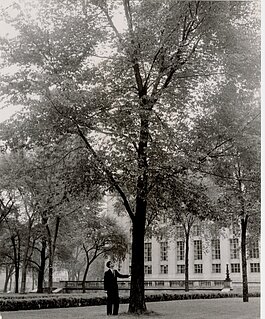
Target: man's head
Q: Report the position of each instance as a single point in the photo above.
(110, 264)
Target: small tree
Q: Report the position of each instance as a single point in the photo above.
(234, 162)
(6, 257)
(186, 201)
(99, 235)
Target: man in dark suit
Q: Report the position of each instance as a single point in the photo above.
(111, 287)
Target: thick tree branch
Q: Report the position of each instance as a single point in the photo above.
(135, 50)
(108, 173)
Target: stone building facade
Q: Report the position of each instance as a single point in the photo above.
(209, 258)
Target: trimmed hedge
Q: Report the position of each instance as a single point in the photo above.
(13, 304)
(49, 302)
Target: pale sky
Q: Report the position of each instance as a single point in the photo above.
(7, 112)
(6, 31)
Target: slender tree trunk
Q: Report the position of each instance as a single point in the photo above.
(52, 247)
(16, 262)
(23, 277)
(6, 280)
(10, 283)
(33, 278)
(9, 271)
(5, 285)
(86, 271)
(50, 265)
(16, 278)
(84, 278)
(25, 264)
(89, 261)
(41, 271)
(187, 236)
(50, 275)
(244, 258)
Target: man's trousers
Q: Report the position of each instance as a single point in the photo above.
(113, 302)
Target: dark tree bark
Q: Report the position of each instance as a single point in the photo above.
(244, 257)
(137, 303)
(26, 256)
(84, 279)
(41, 272)
(244, 224)
(50, 265)
(9, 272)
(42, 266)
(24, 272)
(187, 237)
(51, 250)
(16, 256)
(88, 263)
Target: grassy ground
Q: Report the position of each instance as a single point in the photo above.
(228, 308)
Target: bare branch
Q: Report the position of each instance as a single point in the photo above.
(61, 159)
(228, 177)
(104, 9)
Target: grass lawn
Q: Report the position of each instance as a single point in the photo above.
(227, 308)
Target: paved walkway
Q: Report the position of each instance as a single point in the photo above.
(227, 308)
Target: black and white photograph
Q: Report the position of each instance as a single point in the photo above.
(130, 159)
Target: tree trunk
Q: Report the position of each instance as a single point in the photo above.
(16, 279)
(23, 278)
(41, 272)
(244, 258)
(85, 273)
(16, 251)
(187, 236)
(6, 280)
(52, 247)
(9, 271)
(25, 265)
(33, 279)
(27, 254)
(50, 269)
(10, 283)
(84, 279)
(42, 266)
(137, 302)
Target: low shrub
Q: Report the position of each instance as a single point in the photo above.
(52, 301)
